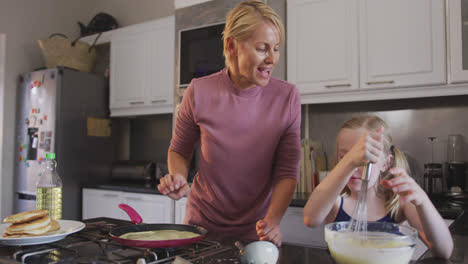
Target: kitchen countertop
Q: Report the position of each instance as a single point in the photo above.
(459, 229)
(298, 199)
(125, 187)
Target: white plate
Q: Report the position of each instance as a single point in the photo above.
(67, 227)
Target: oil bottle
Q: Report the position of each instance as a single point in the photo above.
(49, 188)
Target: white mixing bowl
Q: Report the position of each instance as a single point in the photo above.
(385, 243)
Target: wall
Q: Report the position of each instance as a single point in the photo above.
(24, 22)
(412, 122)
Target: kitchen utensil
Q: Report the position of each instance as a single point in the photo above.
(456, 176)
(258, 252)
(134, 171)
(455, 147)
(358, 221)
(115, 233)
(433, 178)
(386, 243)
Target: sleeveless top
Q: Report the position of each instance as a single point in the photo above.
(343, 216)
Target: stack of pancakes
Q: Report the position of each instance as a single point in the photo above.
(30, 223)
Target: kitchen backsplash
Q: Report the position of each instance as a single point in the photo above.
(150, 137)
(412, 121)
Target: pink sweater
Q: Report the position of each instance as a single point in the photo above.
(248, 139)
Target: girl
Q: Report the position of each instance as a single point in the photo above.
(397, 198)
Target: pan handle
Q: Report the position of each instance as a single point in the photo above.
(134, 216)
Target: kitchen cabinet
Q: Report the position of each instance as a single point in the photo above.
(153, 208)
(100, 203)
(294, 230)
(322, 45)
(142, 68)
(351, 50)
(402, 43)
(457, 35)
(180, 210)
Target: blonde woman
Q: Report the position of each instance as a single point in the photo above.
(366, 139)
(248, 125)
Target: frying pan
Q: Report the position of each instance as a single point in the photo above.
(116, 232)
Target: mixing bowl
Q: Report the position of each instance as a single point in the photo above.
(384, 243)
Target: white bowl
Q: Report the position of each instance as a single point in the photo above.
(384, 243)
(259, 252)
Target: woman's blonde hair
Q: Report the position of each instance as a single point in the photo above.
(372, 123)
(242, 20)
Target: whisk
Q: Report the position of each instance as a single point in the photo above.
(358, 223)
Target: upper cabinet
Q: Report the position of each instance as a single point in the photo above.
(142, 68)
(350, 50)
(402, 43)
(458, 40)
(322, 45)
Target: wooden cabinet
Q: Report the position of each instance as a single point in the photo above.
(402, 43)
(350, 50)
(180, 210)
(153, 208)
(142, 68)
(294, 230)
(322, 45)
(457, 36)
(101, 203)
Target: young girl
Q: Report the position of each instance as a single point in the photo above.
(392, 195)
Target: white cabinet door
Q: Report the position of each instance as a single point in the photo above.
(142, 68)
(127, 77)
(322, 46)
(294, 230)
(458, 40)
(161, 75)
(153, 208)
(402, 43)
(101, 203)
(180, 210)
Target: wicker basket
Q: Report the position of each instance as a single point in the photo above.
(60, 50)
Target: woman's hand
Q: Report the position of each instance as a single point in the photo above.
(267, 230)
(174, 186)
(368, 148)
(406, 187)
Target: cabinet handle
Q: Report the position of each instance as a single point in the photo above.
(134, 198)
(136, 103)
(380, 82)
(338, 85)
(159, 101)
(110, 195)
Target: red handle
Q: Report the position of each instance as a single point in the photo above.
(134, 216)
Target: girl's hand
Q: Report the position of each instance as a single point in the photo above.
(406, 187)
(175, 186)
(368, 148)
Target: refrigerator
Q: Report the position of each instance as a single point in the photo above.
(54, 109)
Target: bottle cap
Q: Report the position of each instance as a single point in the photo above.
(50, 156)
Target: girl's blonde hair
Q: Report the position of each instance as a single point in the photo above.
(242, 20)
(372, 123)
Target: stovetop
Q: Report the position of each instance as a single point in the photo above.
(94, 245)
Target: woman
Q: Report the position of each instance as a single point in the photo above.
(248, 125)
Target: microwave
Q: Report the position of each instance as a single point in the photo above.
(201, 52)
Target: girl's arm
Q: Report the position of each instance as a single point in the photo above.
(421, 213)
(322, 200)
